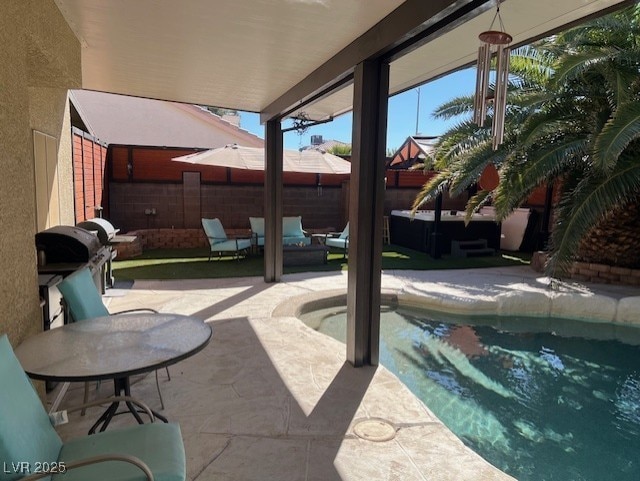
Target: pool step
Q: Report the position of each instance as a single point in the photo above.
(471, 248)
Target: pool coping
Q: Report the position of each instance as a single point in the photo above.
(589, 307)
(566, 305)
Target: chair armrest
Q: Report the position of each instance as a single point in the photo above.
(140, 309)
(94, 460)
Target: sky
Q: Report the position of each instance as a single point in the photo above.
(403, 111)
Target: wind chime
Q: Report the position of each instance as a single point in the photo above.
(492, 41)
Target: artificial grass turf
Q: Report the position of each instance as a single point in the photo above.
(193, 263)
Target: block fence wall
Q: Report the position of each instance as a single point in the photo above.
(147, 190)
(135, 206)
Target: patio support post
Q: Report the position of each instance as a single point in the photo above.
(366, 202)
(273, 202)
(436, 235)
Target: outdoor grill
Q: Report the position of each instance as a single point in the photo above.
(64, 249)
(107, 235)
(102, 227)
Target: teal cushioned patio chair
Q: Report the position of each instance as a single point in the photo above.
(339, 241)
(219, 242)
(292, 232)
(84, 302)
(152, 451)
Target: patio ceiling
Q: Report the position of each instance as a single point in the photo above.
(266, 55)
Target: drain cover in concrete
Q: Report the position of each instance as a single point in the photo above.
(374, 429)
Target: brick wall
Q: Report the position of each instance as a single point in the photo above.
(147, 239)
(589, 272)
(89, 161)
(161, 205)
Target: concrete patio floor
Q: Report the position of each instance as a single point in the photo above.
(270, 399)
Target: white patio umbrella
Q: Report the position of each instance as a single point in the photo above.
(252, 158)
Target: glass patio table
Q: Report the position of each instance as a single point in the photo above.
(113, 347)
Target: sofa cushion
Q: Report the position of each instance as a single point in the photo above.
(214, 230)
(257, 226)
(158, 445)
(292, 227)
(337, 242)
(345, 232)
(231, 245)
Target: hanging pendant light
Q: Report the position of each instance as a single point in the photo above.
(492, 41)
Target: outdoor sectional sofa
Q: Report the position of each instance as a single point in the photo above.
(292, 233)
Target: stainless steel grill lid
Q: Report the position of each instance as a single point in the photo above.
(66, 243)
(103, 227)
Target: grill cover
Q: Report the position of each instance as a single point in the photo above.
(105, 229)
(66, 243)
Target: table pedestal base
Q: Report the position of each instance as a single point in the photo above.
(122, 387)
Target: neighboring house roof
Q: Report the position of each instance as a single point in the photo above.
(414, 150)
(125, 120)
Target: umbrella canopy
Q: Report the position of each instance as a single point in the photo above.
(252, 158)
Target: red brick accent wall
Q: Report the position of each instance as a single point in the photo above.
(89, 163)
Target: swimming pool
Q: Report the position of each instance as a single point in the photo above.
(536, 404)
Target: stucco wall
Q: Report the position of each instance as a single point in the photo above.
(40, 59)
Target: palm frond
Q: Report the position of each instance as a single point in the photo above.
(587, 204)
(458, 142)
(619, 82)
(518, 181)
(453, 108)
(616, 135)
(538, 127)
(533, 65)
(573, 65)
(481, 198)
(431, 189)
(469, 167)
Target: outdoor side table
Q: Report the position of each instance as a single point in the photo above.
(313, 254)
(113, 347)
(318, 239)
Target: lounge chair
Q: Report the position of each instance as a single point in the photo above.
(28, 440)
(219, 241)
(84, 303)
(339, 240)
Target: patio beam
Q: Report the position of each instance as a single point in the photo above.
(412, 24)
(273, 202)
(366, 202)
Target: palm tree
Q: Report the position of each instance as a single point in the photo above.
(574, 119)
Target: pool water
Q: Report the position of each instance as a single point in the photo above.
(537, 405)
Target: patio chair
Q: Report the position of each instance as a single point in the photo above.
(28, 440)
(84, 302)
(219, 242)
(292, 231)
(339, 240)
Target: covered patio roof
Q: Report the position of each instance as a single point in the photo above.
(320, 57)
(269, 55)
